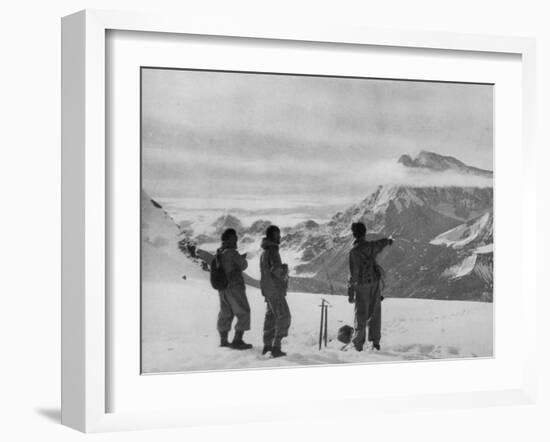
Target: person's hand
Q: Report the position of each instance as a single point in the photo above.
(390, 241)
(351, 295)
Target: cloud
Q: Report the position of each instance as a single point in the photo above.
(394, 173)
(171, 172)
(245, 165)
(210, 134)
(317, 115)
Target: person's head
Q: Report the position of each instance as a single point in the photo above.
(273, 233)
(229, 235)
(359, 230)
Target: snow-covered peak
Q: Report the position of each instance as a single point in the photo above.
(462, 203)
(259, 227)
(227, 221)
(441, 163)
(476, 232)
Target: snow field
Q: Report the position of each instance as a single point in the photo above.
(179, 330)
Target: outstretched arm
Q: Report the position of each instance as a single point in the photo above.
(380, 244)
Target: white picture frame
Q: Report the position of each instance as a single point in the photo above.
(85, 203)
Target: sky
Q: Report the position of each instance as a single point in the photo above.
(219, 134)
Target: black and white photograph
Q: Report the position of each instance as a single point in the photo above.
(237, 221)
(305, 220)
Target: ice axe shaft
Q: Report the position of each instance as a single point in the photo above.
(323, 327)
(326, 324)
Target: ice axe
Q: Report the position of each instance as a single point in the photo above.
(323, 329)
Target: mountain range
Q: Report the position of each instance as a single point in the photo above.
(443, 237)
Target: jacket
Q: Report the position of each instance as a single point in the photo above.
(233, 264)
(274, 274)
(362, 253)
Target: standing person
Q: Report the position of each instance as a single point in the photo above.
(274, 284)
(364, 286)
(233, 301)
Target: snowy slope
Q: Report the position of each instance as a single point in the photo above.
(479, 230)
(463, 268)
(473, 241)
(179, 332)
(160, 257)
(477, 264)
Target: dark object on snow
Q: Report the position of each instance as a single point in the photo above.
(345, 333)
(218, 278)
(157, 205)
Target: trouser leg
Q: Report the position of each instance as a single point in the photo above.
(375, 313)
(282, 323)
(361, 317)
(236, 298)
(225, 315)
(269, 324)
(277, 320)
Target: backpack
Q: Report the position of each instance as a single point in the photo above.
(218, 278)
(345, 334)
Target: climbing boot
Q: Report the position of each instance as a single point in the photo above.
(238, 343)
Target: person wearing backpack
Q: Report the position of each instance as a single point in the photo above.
(365, 286)
(232, 291)
(274, 284)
